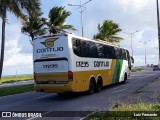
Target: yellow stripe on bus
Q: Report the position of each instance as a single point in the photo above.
(59, 76)
(81, 79)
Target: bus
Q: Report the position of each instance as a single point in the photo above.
(68, 63)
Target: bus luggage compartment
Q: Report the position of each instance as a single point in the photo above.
(51, 71)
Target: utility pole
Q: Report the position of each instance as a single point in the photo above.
(145, 44)
(131, 35)
(157, 53)
(82, 9)
(158, 30)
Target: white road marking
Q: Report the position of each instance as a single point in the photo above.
(119, 90)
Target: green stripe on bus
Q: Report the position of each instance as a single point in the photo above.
(117, 71)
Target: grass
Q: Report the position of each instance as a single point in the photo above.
(127, 112)
(136, 69)
(16, 78)
(137, 107)
(16, 90)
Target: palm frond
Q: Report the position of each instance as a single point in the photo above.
(58, 16)
(108, 31)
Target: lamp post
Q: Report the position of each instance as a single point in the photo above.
(82, 9)
(158, 30)
(145, 43)
(131, 35)
(157, 52)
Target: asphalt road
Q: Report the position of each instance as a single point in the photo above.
(109, 96)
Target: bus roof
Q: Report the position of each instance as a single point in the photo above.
(83, 38)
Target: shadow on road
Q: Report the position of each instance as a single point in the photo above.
(71, 96)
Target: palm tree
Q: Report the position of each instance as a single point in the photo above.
(57, 18)
(16, 7)
(108, 32)
(34, 25)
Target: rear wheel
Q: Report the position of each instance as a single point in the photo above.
(91, 87)
(99, 85)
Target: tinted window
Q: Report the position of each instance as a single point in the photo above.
(93, 50)
(83, 49)
(100, 50)
(107, 51)
(124, 55)
(120, 54)
(113, 52)
(96, 50)
(76, 46)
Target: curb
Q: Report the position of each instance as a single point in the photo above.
(87, 115)
(14, 84)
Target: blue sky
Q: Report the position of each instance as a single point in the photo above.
(131, 15)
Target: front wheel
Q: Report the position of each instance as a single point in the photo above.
(125, 79)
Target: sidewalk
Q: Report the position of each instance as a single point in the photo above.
(19, 83)
(148, 94)
(153, 87)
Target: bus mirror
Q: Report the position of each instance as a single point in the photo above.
(132, 59)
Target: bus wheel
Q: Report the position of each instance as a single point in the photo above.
(125, 79)
(99, 85)
(91, 87)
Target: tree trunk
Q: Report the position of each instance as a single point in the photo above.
(3, 37)
(32, 36)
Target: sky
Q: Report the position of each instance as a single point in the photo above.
(131, 15)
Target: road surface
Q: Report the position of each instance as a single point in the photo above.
(34, 101)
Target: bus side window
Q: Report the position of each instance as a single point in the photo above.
(83, 49)
(117, 53)
(100, 50)
(93, 50)
(124, 56)
(88, 49)
(113, 53)
(76, 44)
(120, 54)
(109, 52)
(106, 52)
(88, 46)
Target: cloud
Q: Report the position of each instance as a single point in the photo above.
(131, 15)
(18, 60)
(13, 57)
(137, 5)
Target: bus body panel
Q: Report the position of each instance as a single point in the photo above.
(54, 58)
(51, 64)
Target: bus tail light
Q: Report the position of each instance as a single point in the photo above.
(70, 75)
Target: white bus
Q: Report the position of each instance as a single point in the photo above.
(68, 63)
